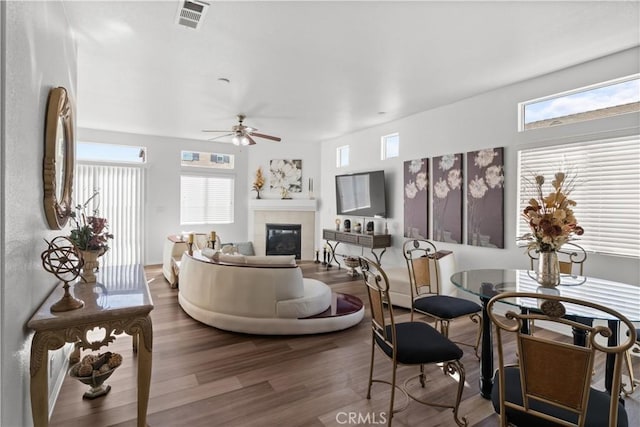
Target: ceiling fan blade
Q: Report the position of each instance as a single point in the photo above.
(261, 135)
(251, 141)
(221, 136)
(209, 130)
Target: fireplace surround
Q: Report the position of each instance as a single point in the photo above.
(287, 212)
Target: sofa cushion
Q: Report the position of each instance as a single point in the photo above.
(250, 260)
(243, 248)
(316, 299)
(271, 260)
(229, 258)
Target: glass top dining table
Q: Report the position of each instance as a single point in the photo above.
(486, 283)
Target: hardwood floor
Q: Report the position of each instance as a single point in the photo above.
(203, 376)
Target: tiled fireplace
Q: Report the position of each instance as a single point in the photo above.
(290, 214)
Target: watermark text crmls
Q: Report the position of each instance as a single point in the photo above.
(367, 418)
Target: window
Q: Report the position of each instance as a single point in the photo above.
(390, 146)
(207, 160)
(607, 99)
(342, 156)
(607, 190)
(94, 151)
(121, 201)
(206, 199)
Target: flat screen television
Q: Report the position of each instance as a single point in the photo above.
(361, 194)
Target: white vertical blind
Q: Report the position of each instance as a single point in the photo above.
(607, 190)
(121, 201)
(206, 199)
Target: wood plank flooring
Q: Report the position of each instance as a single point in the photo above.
(203, 376)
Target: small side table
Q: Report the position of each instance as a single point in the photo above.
(119, 302)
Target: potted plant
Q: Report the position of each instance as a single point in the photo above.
(90, 235)
(552, 222)
(258, 183)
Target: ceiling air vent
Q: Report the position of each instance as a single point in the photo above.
(191, 13)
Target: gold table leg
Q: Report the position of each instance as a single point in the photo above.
(144, 340)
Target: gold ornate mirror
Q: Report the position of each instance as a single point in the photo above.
(59, 157)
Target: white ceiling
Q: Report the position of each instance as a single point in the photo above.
(310, 71)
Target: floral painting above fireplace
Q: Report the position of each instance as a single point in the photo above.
(416, 197)
(286, 175)
(485, 198)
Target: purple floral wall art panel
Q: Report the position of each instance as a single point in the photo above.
(416, 198)
(286, 175)
(447, 198)
(485, 198)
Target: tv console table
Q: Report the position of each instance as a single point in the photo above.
(371, 241)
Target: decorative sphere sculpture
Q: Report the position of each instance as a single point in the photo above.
(63, 260)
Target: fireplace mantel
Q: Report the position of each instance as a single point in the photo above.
(283, 205)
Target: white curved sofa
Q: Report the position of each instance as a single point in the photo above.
(257, 295)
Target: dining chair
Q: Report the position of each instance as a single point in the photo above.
(551, 384)
(407, 343)
(571, 258)
(426, 298)
(633, 382)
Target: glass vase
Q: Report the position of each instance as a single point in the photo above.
(548, 269)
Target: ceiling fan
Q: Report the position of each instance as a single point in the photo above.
(241, 134)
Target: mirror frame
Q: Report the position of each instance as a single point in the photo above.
(58, 109)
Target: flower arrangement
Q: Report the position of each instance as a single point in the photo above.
(90, 232)
(550, 217)
(258, 182)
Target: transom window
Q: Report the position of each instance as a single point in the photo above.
(607, 99)
(110, 153)
(342, 156)
(390, 146)
(207, 160)
(606, 192)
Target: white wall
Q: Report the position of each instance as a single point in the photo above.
(484, 121)
(162, 207)
(38, 54)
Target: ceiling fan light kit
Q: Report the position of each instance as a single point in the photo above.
(240, 140)
(242, 135)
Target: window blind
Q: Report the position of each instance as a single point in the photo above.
(206, 199)
(121, 201)
(607, 190)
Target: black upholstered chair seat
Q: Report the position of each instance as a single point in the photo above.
(597, 411)
(446, 307)
(418, 343)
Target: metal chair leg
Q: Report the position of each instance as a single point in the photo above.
(633, 383)
(476, 318)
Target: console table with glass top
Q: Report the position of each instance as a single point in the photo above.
(371, 241)
(622, 297)
(118, 302)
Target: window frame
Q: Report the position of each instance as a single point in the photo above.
(142, 154)
(339, 151)
(605, 200)
(204, 162)
(207, 174)
(522, 126)
(384, 147)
